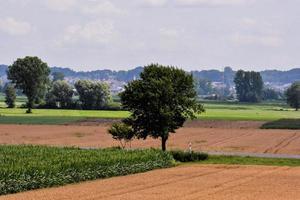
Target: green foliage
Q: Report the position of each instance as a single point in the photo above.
(10, 96)
(160, 102)
(283, 124)
(293, 95)
(121, 132)
(249, 86)
(271, 94)
(58, 76)
(93, 94)
(182, 156)
(60, 92)
(30, 74)
(32, 167)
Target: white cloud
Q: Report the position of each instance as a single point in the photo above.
(104, 7)
(155, 2)
(170, 33)
(248, 22)
(264, 40)
(14, 27)
(61, 5)
(210, 2)
(84, 6)
(94, 32)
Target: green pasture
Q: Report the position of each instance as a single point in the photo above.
(214, 111)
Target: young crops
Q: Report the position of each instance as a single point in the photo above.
(31, 167)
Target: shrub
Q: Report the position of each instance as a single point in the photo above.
(121, 132)
(182, 156)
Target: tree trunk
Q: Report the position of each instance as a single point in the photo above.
(29, 105)
(29, 110)
(164, 143)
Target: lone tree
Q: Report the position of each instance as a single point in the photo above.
(30, 74)
(293, 95)
(160, 102)
(249, 86)
(10, 96)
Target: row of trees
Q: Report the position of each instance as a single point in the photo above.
(31, 76)
(250, 88)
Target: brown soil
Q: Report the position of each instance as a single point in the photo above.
(237, 137)
(194, 182)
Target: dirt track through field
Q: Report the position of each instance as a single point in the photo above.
(205, 136)
(194, 182)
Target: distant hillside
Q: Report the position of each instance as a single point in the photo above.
(101, 74)
(270, 76)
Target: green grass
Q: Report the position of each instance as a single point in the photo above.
(54, 116)
(238, 160)
(214, 111)
(31, 167)
(282, 124)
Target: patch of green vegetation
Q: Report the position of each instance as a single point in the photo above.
(214, 111)
(182, 156)
(239, 160)
(283, 124)
(32, 167)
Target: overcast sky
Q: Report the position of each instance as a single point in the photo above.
(123, 34)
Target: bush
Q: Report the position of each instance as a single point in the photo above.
(33, 167)
(182, 156)
(121, 132)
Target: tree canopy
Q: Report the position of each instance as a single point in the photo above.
(30, 74)
(293, 95)
(93, 94)
(61, 92)
(160, 102)
(249, 86)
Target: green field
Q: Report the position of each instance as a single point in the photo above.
(32, 167)
(214, 111)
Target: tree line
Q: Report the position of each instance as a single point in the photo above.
(31, 76)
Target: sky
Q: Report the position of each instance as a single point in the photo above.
(117, 34)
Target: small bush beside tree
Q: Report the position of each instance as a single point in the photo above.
(122, 133)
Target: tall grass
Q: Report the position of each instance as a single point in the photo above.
(31, 167)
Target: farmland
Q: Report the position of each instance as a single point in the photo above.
(32, 167)
(214, 111)
(186, 182)
(224, 127)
